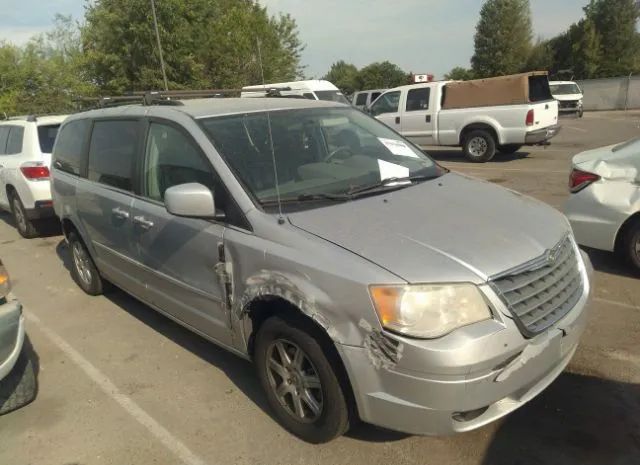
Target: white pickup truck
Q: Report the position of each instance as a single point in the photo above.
(483, 116)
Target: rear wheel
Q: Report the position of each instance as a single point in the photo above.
(509, 148)
(479, 146)
(631, 245)
(301, 386)
(83, 269)
(24, 225)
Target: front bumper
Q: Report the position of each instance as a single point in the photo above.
(467, 379)
(541, 136)
(11, 334)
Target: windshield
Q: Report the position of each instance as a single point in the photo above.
(319, 151)
(331, 96)
(565, 89)
(47, 136)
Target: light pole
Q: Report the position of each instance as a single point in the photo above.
(155, 24)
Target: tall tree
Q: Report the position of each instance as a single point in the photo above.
(381, 75)
(206, 43)
(615, 22)
(344, 76)
(503, 37)
(460, 74)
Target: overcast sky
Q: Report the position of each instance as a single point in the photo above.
(423, 36)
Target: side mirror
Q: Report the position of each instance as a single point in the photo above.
(191, 200)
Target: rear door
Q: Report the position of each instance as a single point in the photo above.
(11, 157)
(418, 120)
(104, 199)
(179, 256)
(387, 109)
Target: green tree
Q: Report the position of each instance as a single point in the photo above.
(540, 57)
(381, 75)
(586, 49)
(344, 76)
(460, 74)
(503, 38)
(206, 44)
(615, 22)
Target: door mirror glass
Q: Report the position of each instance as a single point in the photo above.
(192, 200)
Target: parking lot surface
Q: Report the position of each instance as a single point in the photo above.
(121, 384)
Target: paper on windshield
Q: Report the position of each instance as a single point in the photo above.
(398, 147)
(391, 170)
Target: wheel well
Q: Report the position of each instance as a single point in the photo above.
(10, 189)
(68, 227)
(624, 228)
(263, 308)
(479, 126)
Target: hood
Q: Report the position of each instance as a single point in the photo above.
(614, 162)
(451, 229)
(568, 97)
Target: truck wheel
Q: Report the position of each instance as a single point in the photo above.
(509, 149)
(580, 113)
(83, 269)
(631, 245)
(24, 225)
(479, 146)
(297, 375)
(19, 387)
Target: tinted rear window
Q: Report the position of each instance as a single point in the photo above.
(112, 152)
(68, 150)
(539, 90)
(47, 137)
(14, 142)
(361, 99)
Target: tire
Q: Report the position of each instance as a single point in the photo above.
(580, 113)
(509, 149)
(631, 245)
(298, 336)
(24, 225)
(479, 146)
(20, 386)
(83, 269)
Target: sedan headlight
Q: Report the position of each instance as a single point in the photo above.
(5, 284)
(429, 311)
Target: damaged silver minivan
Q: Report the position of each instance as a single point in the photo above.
(364, 281)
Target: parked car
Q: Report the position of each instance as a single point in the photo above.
(569, 96)
(363, 279)
(17, 374)
(364, 98)
(25, 158)
(604, 207)
(312, 89)
(483, 117)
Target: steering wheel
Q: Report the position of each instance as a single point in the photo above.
(346, 150)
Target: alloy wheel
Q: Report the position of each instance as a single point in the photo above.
(81, 262)
(294, 380)
(19, 214)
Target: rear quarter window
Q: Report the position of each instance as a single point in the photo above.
(47, 137)
(68, 151)
(15, 140)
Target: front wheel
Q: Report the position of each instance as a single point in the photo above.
(479, 146)
(631, 245)
(302, 387)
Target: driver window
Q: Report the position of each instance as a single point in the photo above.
(172, 159)
(387, 103)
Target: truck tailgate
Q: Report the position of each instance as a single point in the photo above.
(545, 115)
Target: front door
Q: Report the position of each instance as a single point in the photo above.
(418, 119)
(104, 200)
(387, 109)
(11, 141)
(179, 256)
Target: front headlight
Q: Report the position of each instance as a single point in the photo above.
(429, 311)
(5, 284)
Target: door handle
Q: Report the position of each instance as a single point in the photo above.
(120, 213)
(57, 165)
(143, 222)
(397, 120)
(427, 118)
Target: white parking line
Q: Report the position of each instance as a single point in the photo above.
(179, 449)
(617, 304)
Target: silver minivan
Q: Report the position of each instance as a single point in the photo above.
(365, 281)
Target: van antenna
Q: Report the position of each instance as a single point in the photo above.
(273, 152)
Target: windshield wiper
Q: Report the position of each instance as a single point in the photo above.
(396, 183)
(308, 198)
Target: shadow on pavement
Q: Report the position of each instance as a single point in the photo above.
(456, 155)
(610, 263)
(578, 420)
(46, 228)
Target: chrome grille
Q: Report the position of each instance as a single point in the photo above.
(545, 291)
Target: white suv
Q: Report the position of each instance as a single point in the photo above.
(25, 157)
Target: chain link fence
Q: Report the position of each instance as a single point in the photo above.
(621, 93)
